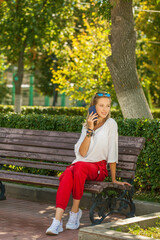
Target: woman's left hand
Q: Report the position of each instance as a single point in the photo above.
(122, 183)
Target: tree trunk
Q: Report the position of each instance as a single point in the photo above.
(122, 62)
(55, 94)
(18, 83)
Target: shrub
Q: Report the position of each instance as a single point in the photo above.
(70, 111)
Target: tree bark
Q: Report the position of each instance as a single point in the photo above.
(122, 62)
(18, 82)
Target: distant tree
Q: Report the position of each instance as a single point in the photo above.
(82, 68)
(26, 27)
(122, 62)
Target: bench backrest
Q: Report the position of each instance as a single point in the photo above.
(51, 149)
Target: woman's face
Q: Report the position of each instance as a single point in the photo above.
(103, 107)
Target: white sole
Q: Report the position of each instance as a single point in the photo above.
(51, 233)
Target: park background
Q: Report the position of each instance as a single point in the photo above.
(56, 55)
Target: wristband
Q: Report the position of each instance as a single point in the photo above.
(90, 129)
(89, 134)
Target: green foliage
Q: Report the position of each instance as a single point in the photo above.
(82, 69)
(28, 28)
(148, 166)
(147, 196)
(3, 83)
(29, 25)
(43, 74)
(70, 111)
(42, 122)
(104, 8)
(152, 232)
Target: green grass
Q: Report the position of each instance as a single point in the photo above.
(147, 196)
(153, 232)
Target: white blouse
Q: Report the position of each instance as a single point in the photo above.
(103, 145)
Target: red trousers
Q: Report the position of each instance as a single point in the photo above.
(73, 180)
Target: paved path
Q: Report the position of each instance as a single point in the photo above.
(26, 220)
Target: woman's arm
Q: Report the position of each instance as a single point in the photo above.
(113, 171)
(113, 174)
(85, 146)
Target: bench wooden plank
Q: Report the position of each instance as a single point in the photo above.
(38, 138)
(110, 185)
(127, 158)
(126, 165)
(124, 174)
(37, 180)
(34, 133)
(34, 164)
(59, 151)
(58, 143)
(37, 156)
(90, 186)
(53, 166)
(40, 132)
(34, 149)
(65, 139)
(37, 143)
(55, 158)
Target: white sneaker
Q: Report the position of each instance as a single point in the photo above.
(74, 220)
(55, 228)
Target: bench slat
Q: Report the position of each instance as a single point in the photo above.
(45, 150)
(37, 156)
(37, 143)
(110, 185)
(127, 158)
(54, 166)
(40, 132)
(38, 138)
(14, 138)
(37, 180)
(57, 158)
(126, 165)
(34, 164)
(124, 174)
(33, 150)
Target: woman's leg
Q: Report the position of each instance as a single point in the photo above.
(62, 198)
(65, 189)
(75, 206)
(81, 171)
(59, 213)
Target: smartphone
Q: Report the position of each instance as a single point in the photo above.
(92, 109)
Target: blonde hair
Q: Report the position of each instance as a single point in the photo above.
(94, 101)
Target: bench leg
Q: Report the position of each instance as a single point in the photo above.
(108, 202)
(102, 206)
(2, 191)
(126, 201)
(2, 188)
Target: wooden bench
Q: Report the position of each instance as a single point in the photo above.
(51, 150)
